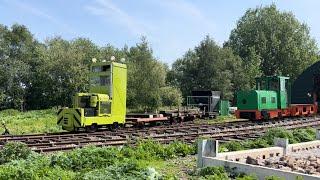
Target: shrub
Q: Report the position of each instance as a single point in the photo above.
(125, 171)
(182, 149)
(303, 135)
(257, 143)
(247, 177)
(14, 151)
(279, 133)
(36, 166)
(232, 146)
(214, 173)
(86, 158)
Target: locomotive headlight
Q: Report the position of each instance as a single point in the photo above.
(112, 58)
(122, 60)
(94, 60)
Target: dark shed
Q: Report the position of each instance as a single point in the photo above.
(306, 85)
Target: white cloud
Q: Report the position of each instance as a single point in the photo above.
(108, 10)
(37, 12)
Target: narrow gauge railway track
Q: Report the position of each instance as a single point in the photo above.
(188, 132)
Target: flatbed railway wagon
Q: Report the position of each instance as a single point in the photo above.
(271, 99)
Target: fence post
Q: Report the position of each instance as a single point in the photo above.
(284, 143)
(206, 148)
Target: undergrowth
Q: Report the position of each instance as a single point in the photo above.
(128, 162)
(37, 121)
(17, 161)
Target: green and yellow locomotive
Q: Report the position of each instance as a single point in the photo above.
(103, 105)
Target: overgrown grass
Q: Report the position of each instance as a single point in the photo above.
(37, 121)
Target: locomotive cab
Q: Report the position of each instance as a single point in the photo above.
(93, 104)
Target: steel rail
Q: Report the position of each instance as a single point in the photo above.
(188, 132)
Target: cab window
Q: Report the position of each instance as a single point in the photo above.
(105, 108)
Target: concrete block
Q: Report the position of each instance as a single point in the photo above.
(206, 148)
(260, 171)
(318, 134)
(284, 143)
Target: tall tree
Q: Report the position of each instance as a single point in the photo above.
(17, 52)
(207, 67)
(274, 42)
(63, 71)
(146, 76)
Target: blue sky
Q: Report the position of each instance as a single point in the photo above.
(171, 26)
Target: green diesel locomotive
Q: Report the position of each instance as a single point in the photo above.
(270, 99)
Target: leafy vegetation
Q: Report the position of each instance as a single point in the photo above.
(36, 75)
(221, 66)
(147, 159)
(274, 41)
(147, 80)
(90, 162)
(14, 151)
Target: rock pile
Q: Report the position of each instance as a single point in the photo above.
(309, 165)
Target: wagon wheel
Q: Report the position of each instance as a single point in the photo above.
(173, 120)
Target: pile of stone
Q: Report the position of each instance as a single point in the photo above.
(307, 165)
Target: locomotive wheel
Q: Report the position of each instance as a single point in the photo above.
(113, 127)
(92, 128)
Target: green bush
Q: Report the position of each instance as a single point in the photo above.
(304, 135)
(36, 166)
(86, 158)
(257, 143)
(128, 171)
(14, 151)
(232, 146)
(214, 172)
(247, 177)
(279, 133)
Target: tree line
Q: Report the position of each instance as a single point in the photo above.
(265, 41)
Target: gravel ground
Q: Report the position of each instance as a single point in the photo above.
(307, 162)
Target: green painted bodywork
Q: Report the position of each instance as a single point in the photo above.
(224, 107)
(257, 100)
(105, 103)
